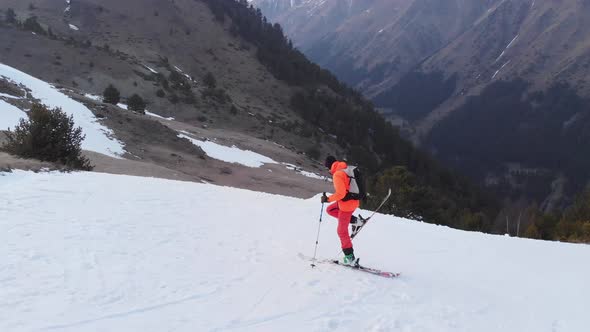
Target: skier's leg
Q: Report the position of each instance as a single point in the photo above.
(343, 222)
(333, 210)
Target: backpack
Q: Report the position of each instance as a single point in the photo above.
(357, 189)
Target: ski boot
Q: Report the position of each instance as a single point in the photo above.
(357, 223)
(349, 260)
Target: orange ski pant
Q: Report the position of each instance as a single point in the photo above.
(343, 222)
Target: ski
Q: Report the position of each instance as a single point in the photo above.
(359, 267)
(371, 216)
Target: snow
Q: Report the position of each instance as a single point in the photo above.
(98, 137)
(230, 154)
(9, 96)
(126, 107)
(10, 115)
(95, 252)
(93, 97)
(506, 49)
(158, 116)
(304, 173)
(184, 74)
(73, 27)
(150, 69)
(498, 71)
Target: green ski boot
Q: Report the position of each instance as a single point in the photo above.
(349, 260)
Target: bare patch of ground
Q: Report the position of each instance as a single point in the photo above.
(9, 162)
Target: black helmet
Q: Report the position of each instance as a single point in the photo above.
(329, 161)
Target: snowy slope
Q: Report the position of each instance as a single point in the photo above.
(95, 252)
(98, 137)
(9, 115)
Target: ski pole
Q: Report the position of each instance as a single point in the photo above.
(317, 240)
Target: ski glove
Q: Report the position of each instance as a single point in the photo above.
(324, 198)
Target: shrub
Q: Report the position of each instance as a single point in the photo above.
(226, 171)
(219, 95)
(210, 81)
(160, 93)
(48, 135)
(313, 152)
(173, 99)
(31, 24)
(10, 16)
(136, 104)
(111, 95)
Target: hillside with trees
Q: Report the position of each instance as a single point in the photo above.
(434, 193)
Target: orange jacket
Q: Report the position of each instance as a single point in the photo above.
(341, 185)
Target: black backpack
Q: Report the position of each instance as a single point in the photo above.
(357, 189)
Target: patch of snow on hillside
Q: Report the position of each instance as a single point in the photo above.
(498, 71)
(10, 115)
(93, 97)
(150, 69)
(123, 106)
(230, 154)
(184, 74)
(304, 173)
(97, 252)
(9, 96)
(98, 137)
(73, 27)
(506, 48)
(158, 116)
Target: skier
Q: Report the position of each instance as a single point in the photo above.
(342, 207)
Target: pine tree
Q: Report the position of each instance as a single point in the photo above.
(136, 104)
(111, 95)
(210, 81)
(48, 135)
(10, 16)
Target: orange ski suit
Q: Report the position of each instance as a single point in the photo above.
(342, 210)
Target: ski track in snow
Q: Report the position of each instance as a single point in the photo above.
(97, 252)
(98, 137)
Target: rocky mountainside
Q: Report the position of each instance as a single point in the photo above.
(372, 44)
(427, 64)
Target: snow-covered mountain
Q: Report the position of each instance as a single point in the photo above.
(96, 252)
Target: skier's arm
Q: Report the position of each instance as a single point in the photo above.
(340, 186)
